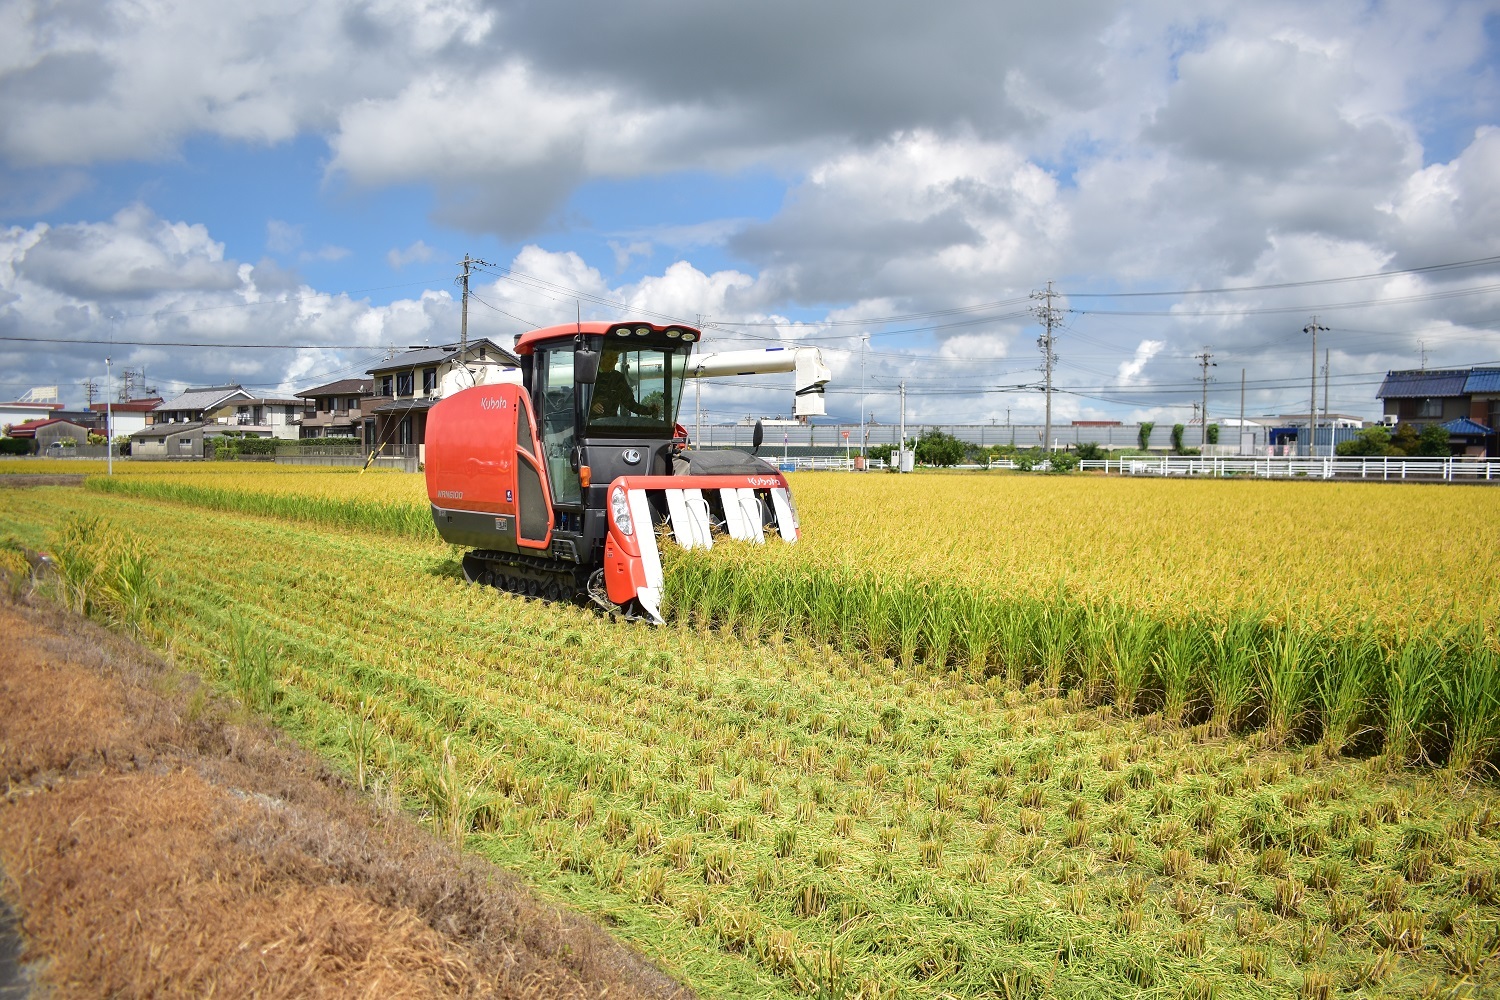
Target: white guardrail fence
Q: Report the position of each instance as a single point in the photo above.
(1448, 470)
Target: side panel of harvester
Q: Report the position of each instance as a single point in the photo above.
(485, 477)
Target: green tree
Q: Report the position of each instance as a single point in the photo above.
(1433, 442)
(1090, 450)
(1177, 430)
(880, 452)
(937, 447)
(1405, 440)
(1143, 437)
(1061, 461)
(1213, 433)
(1372, 442)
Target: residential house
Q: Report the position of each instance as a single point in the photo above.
(181, 439)
(208, 404)
(128, 416)
(51, 431)
(342, 409)
(1465, 401)
(415, 380)
(178, 427)
(267, 416)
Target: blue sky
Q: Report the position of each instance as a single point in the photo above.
(308, 174)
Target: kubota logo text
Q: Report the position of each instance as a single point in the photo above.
(494, 404)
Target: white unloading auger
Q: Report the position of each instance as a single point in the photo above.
(807, 362)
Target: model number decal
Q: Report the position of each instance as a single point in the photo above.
(451, 494)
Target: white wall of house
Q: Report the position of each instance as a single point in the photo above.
(125, 421)
(19, 413)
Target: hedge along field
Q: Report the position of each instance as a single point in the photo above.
(781, 820)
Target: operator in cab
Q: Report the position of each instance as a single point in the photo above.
(612, 392)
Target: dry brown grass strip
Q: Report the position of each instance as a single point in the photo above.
(152, 855)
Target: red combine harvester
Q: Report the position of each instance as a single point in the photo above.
(560, 483)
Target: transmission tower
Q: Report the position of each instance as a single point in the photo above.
(1050, 317)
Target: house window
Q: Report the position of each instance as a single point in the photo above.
(385, 385)
(403, 384)
(185, 443)
(353, 402)
(1430, 408)
(429, 381)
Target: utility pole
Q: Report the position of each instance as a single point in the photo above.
(90, 390)
(901, 452)
(1205, 362)
(463, 321)
(109, 423)
(1241, 449)
(1050, 317)
(864, 346)
(1326, 411)
(698, 388)
(1312, 402)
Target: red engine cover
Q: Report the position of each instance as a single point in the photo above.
(482, 457)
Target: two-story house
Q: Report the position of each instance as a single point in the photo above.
(416, 379)
(178, 427)
(1465, 401)
(341, 409)
(266, 416)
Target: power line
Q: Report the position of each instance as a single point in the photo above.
(184, 343)
(1427, 269)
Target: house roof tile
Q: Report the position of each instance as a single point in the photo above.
(1423, 384)
(167, 430)
(1482, 380)
(436, 355)
(1464, 427)
(204, 398)
(343, 387)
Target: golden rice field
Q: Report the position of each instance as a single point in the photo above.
(975, 736)
(1404, 553)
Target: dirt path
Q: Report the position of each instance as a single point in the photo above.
(154, 843)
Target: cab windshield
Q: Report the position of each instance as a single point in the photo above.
(637, 393)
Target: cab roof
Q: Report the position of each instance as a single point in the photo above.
(528, 342)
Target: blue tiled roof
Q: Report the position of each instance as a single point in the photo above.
(1483, 380)
(1423, 384)
(1464, 427)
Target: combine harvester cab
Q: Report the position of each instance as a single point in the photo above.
(560, 484)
